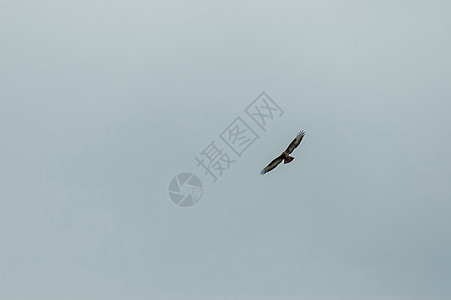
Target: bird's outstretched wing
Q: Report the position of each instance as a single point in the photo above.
(272, 165)
(295, 142)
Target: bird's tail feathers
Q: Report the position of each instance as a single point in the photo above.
(288, 160)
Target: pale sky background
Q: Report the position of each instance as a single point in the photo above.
(103, 102)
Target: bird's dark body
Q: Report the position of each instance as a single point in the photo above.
(285, 156)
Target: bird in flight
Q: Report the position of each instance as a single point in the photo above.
(285, 156)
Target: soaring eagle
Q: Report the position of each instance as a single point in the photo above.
(285, 156)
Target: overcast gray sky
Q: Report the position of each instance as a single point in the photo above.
(102, 103)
